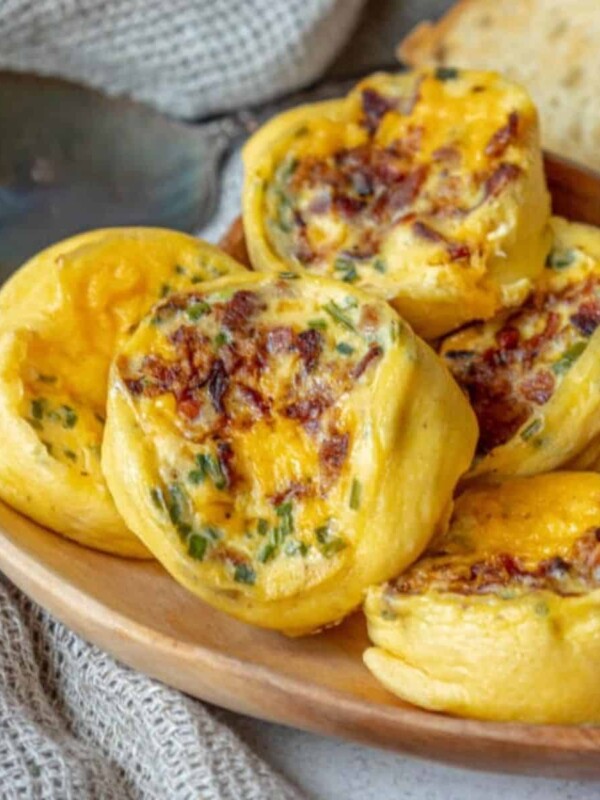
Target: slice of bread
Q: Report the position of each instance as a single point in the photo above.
(549, 46)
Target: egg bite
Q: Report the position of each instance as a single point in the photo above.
(267, 438)
(500, 619)
(425, 188)
(62, 316)
(533, 375)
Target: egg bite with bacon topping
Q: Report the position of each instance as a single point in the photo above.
(63, 314)
(533, 375)
(267, 438)
(425, 188)
(500, 618)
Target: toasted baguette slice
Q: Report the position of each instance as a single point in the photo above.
(549, 46)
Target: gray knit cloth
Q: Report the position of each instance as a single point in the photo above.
(186, 57)
(75, 724)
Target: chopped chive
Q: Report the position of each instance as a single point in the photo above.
(379, 265)
(290, 276)
(285, 513)
(337, 315)
(446, 73)
(568, 358)
(70, 454)
(212, 532)
(221, 338)
(38, 407)
(266, 552)
(333, 546)
(346, 268)
(184, 529)
(531, 429)
(156, 496)
(344, 348)
(293, 547)
(165, 289)
(262, 526)
(197, 546)
(69, 417)
(177, 503)
(318, 324)
(46, 378)
(322, 533)
(197, 310)
(355, 493)
(244, 574)
(215, 470)
(288, 168)
(196, 476)
(196, 279)
(179, 269)
(560, 259)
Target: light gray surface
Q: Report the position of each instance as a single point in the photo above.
(329, 769)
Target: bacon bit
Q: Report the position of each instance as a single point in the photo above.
(238, 312)
(333, 453)
(348, 206)
(508, 338)
(456, 250)
(253, 396)
(218, 382)
(407, 188)
(280, 340)
(189, 407)
(309, 409)
(503, 137)
(226, 456)
(369, 318)
(375, 107)
(500, 178)
(294, 491)
(373, 353)
(135, 386)
(310, 347)
(449, 153)
(538, 388)
(587, 318)
(320, 204)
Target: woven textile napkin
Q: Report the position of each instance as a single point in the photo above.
(189, 58)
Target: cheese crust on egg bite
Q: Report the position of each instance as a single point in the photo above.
(425, 188)
(281, 442)
(500, 619)
(533, 375)
(63, 315)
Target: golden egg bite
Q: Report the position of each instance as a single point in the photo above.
(500, 619)
(533, 375)
(267, 438)
(62, 316)
(425, 188)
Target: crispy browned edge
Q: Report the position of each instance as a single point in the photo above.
(234, 243)
(425, 42)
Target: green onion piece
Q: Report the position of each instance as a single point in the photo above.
(156, 496)
(347, 269)
(197, 546)
(285, 513)
(379, 265)
(177, 503)
(184, 529)
(196, 279)
(221, 338)
(322, 533)
(568, 358)
(196, 476)
(337, 315)
(531, 429)
(69, 417)
(560, 259)
(165, 289)
(333, 546)
(244, 574)
(355, 493)
(179, 269)
(293, 548)
(38, 407)
(266, 552)
(262, 526)
(290, 276)
(198, 309)
(318, 324)
(446, 73)
(344, 348)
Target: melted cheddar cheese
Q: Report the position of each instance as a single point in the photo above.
(63, 315)
(266, 420)
(500, 617)
(524, 370)
(425, 188)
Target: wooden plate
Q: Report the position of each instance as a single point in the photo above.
(139, 614)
